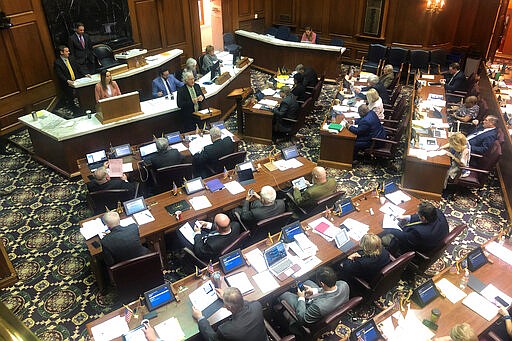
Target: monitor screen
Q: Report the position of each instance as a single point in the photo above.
(194, 185)
(174, 137)
(246, 165)
(390, 188)
(218, 124)
(122, 150)
(148, 149)
(231, 261)
(134, 206)
(290, 152)
(159, 296)
(275, 253)
(291, 230)
(367, 332)
(341, 238)
(245, 175)
(347, 207)
(427, 292)
(136, 334)
(476, 259)
(98, 156)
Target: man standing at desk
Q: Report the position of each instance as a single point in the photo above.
(67, 71)
(165, 84)
(80, 47)
(321, 187)
(189, 100)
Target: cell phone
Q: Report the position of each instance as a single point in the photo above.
(501, 301)
(430, 324)
(251, 191)
(301, 287)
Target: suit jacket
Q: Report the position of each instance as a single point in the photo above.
(387, 79)
(113, 183)
(368, 127)
(252, 212)
(482, 142)
(456, 82)
(422, 237)
(365, 267)
(212, 153)
(82, 55)
(381, 90)
(158, 85)
(185, 101)
(313, 193)
(101, 93)
(208, 246)
(310, 77)
(122, 243)
(62, 72)
(318, 307)
(300, 92)
(245, 325)
(170, 157)
(288, 108)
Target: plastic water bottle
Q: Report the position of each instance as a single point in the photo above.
(464, 280)
(502, 240)
(333, 116)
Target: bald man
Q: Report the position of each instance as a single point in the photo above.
(122, 242)
(102, 181)
(209, 244)
(320, 187)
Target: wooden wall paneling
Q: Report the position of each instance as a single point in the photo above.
(343, 17)
(14, 7)
(10, 120)
(467, 19)
(499, 31)
(148, 25)
(195, 44)
(9, 85)
(229, 20)
(244, 8)
(482, 29)
(283, 12)
(445, 23)
(259, 8)
(177, 31)
(409, 23)
(310, 13)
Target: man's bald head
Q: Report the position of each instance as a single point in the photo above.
(101, 175)
(111, 219)
(319, 175)
(222, 222)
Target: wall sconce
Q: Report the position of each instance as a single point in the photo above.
(435, 6)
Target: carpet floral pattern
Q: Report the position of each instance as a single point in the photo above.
(40, 210)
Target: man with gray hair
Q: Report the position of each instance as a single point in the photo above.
(388, 76)
(165, 156)
(265, 206)
(310, 76)
(101, 181)
(189, 99)
(211, 153)
(373, 83)
(122, 242)
(288, 108)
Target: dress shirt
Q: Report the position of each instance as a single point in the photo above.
(193, 96)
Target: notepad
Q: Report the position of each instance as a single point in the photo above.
(481, 306)
(240, 281)
(188, 232)
(170, 330)
(214, 185)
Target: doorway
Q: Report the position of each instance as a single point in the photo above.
(210, 18)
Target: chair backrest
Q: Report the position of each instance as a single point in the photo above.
(337, 42)
(271, 31)
(293, 37)
(420, 59)
(489, 161)
(500, 137)
(439, 57)
(165, 176)
(376, 52)
(318, 88)
(231, 160)
(331, 320)
(270, 225)
(321, 203)
(108, 198)
(396, 91)
(483, 109)
(399, 109)
(228, 38)
(135, 276)
(200, 64)
(104, 55)
(389, 275)
(235, 244)
(283, 32)
(397, 56)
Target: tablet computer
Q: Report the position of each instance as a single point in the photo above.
(231, 261)
(476, 259)
(159, 296)
(390, 188)
(147, 149)
(290, 152)
(134, 206)
(122, 150)
(174, 137)
(290, 231)
(425, 293)
(245, 165)
(136, 334)
(367, 332)
(300, 183)
(346, 208)
(194, 185)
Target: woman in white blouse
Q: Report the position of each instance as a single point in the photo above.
(375, 103)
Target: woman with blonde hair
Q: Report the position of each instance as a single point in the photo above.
(459, 332)
(459, 153)
(367, 262)
(375, 103)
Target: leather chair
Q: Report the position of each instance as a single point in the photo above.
(283, 32)
(164, 177)
(387, 148)
(337, 42)
(397, 56)
(99, 201)
(419, 60)
(271, 31)
(374, 59)
(438, 61)
(229, 161)
(293, 37)
(230, 43)
(423, 260)
(317, 207)
(135, 276)
(328, 322)
(304, 111)
(105, 57)
(263, 227)
(274, 336)
(385, 279)
(200, 65)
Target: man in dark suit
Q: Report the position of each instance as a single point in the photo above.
(455, 79)
(373, 83)
(165, 84)
(67, 71)
(368, 127)
(420, 232)
(299, 90)
(310, 76)
(101, 181)
(80, 47)
(484, 136)
(265, 206)
(189, 99)
(209, 244)
(211, 153)
(288, 108)
(164, 156)
(122, 242)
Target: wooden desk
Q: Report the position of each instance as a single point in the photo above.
(327, 253)
(413, 179)
(257, 123)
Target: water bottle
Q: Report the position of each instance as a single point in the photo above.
(502, 240)
(333, 116)
(464, 280)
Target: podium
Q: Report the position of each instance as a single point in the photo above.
(118, 108)
(239, 95)
(207, 114)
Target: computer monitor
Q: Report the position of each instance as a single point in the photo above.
(425, 293)
(174, 137)
(245, 165)
(215, 70)
(159, 296)
(218, 124)
(134, 206)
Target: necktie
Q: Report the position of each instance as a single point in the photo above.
(70, 69)
(193, 96)
(167, 86)
(82, 41)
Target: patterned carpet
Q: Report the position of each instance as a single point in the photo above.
(40, 210)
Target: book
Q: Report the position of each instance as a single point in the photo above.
(214, 185)
(181, 205)
(335, 126)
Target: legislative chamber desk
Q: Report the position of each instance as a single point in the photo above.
(59, 142)
(425, 178)
(257, 124)
(327, 253)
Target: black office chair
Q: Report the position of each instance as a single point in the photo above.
(419, 60)
(230, 43)
(263, 227)
(271, 31)
(438, 61)
(374, 59)
(337, 42)
(227, 161)
(293, 37)
(283, 32)
(200, 65)
(105, 57)
(397, 56)
(99, 201)
(164, 177)
(317, 207)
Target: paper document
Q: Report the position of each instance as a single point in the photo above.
(257, 106)
(255, 258)
(282, 165)
(428, 143)
(392, 209)
(411, 325)
(127, 167)
(268, 102)
(419, 153)
(306, 265)
(293, 163)
(203, 296)
(481, 306)
(170, 330)
(143, 217)
(398, 197)
(188, 232)
(265, 281)
(115, 168)
(93, 228)
(179, 147)
(200, 202)
(268, 92)
(325, 228)
(490, 292)
(500, 251)
(234, 187)
(127, 221)
(240, 281)
(110, 329)
(390, 222)
(453, 293)
(356, 229)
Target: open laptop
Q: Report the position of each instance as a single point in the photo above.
(134, 206)
(245, 176)
(290, 152)
(96, 160)
(194, 185)
(390, 187)
(121, 150)
(366, 332)
(245, 165)
(174, 137)
(278, 262)
(289, 231)
(147, 149)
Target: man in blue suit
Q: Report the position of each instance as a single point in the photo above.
(455, 79)
(165, 84)
(366, 128)
(484, 136)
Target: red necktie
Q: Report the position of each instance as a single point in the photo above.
(82, 41)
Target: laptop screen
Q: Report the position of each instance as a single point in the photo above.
(367, 332)
(218, 124)
(245, 165)
(427, 292)
(134, 206)
(476, 259)
(122, 150)
(275, 253)
(390, 188)
(341, 238)
(291, 230)
(245, 175)
(159, 296)
(194, 185)
(290, 152)
(148, 149)
(231, 261)
(98, 156)
(174, 137)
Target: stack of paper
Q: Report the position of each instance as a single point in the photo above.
(240, 281)
(179, 147)
(255, 258)
(453, 293)
(491, 292)
(170, 330)
(115, 168)
(143, 217)
(356, 229)
(93, 228)
(200, 202)
(234, 187)
(481, 306)
(325, 228)
(110, 329)
(127, 167)
(188, 232)
(268, 102)
(265, 281)
(500, 251)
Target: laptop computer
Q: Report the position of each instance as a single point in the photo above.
(245, 165)
(159, 296)
(259, 95)
(390, 187)
(174, 137)
(218, 124)
(343, 241)
(121, 150)
(231, 261)
(476, 259)
(245, 176)
(289, 231)
(96, 160)
(194, 185)
(134, 206)
(300, 183)
(290, 152)
(425, 293)
(366, 332)
(147, 149)
(278, 262)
